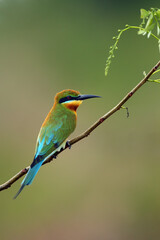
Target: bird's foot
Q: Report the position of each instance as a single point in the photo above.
(68, 144)
(54, 156)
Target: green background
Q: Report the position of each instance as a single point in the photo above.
(106, 186)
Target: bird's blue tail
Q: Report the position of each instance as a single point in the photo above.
(29, 177)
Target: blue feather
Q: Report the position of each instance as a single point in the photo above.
(29, 177)
(31, 174)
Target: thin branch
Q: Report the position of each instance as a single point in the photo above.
(89, 130)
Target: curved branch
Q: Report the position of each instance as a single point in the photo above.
(88, 131)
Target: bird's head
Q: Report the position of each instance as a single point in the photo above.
(71, 99)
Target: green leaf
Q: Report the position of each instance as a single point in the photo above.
(150, 25)
(141, 31)
(144, 13)
(158, 13)
(149, 34)
(150, 28)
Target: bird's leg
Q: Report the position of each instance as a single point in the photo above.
(68, 144)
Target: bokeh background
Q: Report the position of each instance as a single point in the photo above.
(106, 186)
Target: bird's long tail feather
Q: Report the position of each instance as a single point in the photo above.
(29, 177)
(21, 188)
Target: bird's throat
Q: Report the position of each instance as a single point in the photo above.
(72, 105)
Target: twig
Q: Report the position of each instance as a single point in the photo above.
(89, 130)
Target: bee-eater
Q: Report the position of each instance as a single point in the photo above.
(58, 125)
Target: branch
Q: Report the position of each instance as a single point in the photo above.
(88, 131)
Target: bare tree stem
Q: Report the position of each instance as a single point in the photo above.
(89, 130)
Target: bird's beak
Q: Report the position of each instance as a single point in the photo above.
(84, 97)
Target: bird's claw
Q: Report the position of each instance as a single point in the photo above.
(68, 144)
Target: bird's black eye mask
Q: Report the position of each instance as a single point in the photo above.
(68, 98)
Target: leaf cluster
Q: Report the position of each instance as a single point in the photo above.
(150, 20)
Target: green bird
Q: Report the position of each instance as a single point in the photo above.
(58, 125)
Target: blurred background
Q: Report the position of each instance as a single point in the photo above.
(107, 185)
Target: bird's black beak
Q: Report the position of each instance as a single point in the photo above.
(84, 97)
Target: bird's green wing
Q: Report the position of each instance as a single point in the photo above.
(51, 136)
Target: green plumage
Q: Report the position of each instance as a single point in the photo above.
(59, 124)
